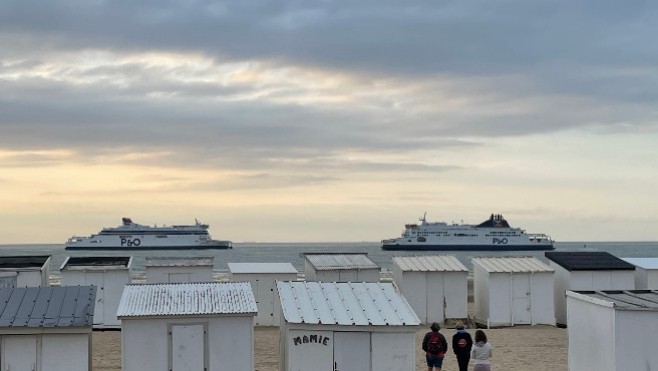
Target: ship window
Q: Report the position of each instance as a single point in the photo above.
(421, 239)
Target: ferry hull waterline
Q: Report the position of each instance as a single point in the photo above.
(133, 236)
(494, 234)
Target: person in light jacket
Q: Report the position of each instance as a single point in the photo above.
(481, 353)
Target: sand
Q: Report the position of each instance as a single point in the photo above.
(522, 348)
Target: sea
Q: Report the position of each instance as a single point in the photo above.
(292, 253)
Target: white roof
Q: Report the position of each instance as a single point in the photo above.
(173, 299)
(328, 261)
(262, 268)
(348, 303)
(512, 265)
(644, 263)
(641, 300)
(179, 262)
(429, 263)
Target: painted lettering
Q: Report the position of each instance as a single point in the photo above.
(500, 241)
(310, 339)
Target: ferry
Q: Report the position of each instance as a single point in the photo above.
(133, 236)
(494, 234)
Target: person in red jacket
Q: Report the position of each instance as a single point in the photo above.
(435, 347)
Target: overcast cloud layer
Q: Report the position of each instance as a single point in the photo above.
(299, 93)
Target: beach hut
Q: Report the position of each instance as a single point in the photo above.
(23, 271)
(340, 267)
(612, 330)
(586, 271)
(46, 328)
(109, 274)
(646, 272)
(345, 326)
(511, 291)
(178, 270)
(263, 277)
(436, 286)
(188, 326)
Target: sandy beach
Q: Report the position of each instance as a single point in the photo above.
(523, 348)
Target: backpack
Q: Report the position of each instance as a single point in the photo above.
(434, 343)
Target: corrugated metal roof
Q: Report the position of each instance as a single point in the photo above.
(429, 263)
(627, 300)
(262, 268)
(587, 260)
(326, 261)
(13, 262)
(179, 262)
(70, 306)
(644, 263)
(512, 264)
(187, 299)
(348, 303)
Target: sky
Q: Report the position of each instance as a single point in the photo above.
(328, 121)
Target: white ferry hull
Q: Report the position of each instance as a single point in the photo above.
(132, 236)
(468, 247)
(494, 234)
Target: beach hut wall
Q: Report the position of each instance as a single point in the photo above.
(263, 277)
(646, 272)
(189, 326)
(109, 274)
(24, 271)
(436, 286)
(46, 328)
(340, 267)
(345, 326)
(178, 269)
(511, 291)
(612, 330)
(586, 271)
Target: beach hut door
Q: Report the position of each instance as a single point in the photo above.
(19, 353)
(521, 299)
(8, 279)
(188, 348)
(352, 351)
(98, 280)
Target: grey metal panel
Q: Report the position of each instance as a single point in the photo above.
(25, 309)
(56, 301)
(40, 308)
(12, 305)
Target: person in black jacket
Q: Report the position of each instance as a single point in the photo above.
(461, 345)
(435, 347)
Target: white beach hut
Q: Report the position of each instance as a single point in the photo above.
(436, 286)
(587, 271)
(612, 330)
(513, 291)
(46, 328)
(345, 326)
(340, 267)
(263, 277)
(188, 326)
(646, 272)
(24, 271)
(178, 270)
(109, 274)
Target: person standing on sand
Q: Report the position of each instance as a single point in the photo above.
(461, 345)
(435, 347)
(481, 353)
